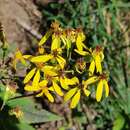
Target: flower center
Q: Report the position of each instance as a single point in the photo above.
(103, 76)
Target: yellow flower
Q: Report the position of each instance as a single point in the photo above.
(103, 83)
(56, 33)
(91, 80)
(55, 54)
(80, 37)
(70, 34)
(56, 40)
(68, 37)
(41, 58)
(42, 88)
(59, 36)
(98, 57)
(75, 93)
(20, 57)
(65, 81)
(51, 77)
(84, 53)
(35, 74)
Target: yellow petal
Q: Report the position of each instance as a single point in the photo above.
(106, 87)
(91, 80)
(99, 90)
(79, 47)
(31, 88)
(102, 56)
(86, 92)
(91, 68)
(47, 68)
(70, 93)
(98, 64)
(43, 83)
(72, 81)
(80, 52)
(82, 36)
(63, 83)
(49, 96)
(27, 56)
(75, 100)
(51, 89)
(50, 72)
(63, 38)
(66, 42)
(61, 61)
(57, 89)
(44, 38)
(40, 94)
(18, 54)
(23, 61)
(41, 58)
(36, 79)
(79, 43)
(55, 42)
(68, 45)
(29, 76)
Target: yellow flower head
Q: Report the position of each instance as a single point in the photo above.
(97, 58)
(80, 37)
(56, 66)
(56, 55)
(70, 34)
(103, 83)
(42, 88)
(64, 80)
(75, 93)
(20, 57)
(35, 74)
(56, 40)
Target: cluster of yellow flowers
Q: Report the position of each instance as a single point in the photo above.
(61, 66)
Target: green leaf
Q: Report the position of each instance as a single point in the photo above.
(118, 123)
(31, 114)
(2, 91)
(23, 126)
(39, 116)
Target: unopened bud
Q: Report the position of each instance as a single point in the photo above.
(17, 112)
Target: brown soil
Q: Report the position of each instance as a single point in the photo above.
(12, 11)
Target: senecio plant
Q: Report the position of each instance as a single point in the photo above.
(65, 66)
